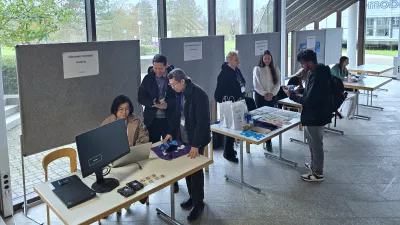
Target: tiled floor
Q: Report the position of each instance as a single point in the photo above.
(361, 187)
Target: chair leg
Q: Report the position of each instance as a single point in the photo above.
(148, 200)
(247, 147)
(98, 222)
(48, 215)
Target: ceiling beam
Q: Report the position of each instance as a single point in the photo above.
(305, 15)
(295, 7)
(343, 3)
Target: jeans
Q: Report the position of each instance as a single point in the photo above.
(315, 135)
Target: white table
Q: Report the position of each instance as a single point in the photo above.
(289, 103)
(107, 203)
(369, 84)
(251, 140)
(371, 69)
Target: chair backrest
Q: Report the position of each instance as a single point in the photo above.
(65, 152)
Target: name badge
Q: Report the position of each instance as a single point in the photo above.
(243, 88)
(183, 123)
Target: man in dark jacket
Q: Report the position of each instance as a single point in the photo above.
(231, 84)
(317, 110)
(155, 94)
(191, 123)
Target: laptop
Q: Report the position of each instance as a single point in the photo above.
(72, 191)
(362, 75)
(137, 153)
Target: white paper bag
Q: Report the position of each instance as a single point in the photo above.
(348, 108)
(225, 113)
(238, 111)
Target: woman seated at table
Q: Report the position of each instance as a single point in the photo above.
(122, 108)
(339, 70)
(296, 80)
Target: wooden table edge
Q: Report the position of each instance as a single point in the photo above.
(289, 104)
(125, 204)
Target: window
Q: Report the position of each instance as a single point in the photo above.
(383, 29)
(129, 20)
(379, 21)
(370, 22)
(187, 18)
(32, 22)
(263, 20)
(370, 27)
(328, 22)
(228, 21)
(395, 22)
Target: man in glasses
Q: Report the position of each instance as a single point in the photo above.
(191, 123)
(153, 94)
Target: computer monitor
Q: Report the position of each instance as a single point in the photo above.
(98, 148)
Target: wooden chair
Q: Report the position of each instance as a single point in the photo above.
(65, 152)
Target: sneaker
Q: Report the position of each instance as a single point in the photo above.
(195, 213)
(312, 177)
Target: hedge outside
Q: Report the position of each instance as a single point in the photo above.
(10, 78)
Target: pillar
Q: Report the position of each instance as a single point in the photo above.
(352, 35)
(398, 59)
(339, 19)
(362, 20)
(246, 17)
(283, 41)
(6, 200)
(242, 17)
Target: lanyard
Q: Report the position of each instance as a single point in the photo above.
(161, 91)
(239, 78)
(181, 102)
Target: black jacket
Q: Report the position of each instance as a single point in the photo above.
(228, 84)
(317, 98)
(197, 115)
(148, 91)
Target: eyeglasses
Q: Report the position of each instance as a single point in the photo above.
(123, 109)
(173, 85)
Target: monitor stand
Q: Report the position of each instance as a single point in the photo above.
(103, 185)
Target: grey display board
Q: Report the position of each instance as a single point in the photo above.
(330, 44)
(250, 56)
(54, 110)
(204, 71)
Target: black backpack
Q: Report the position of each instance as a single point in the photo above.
(338, 94)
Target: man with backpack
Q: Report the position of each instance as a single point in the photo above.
(317, 109)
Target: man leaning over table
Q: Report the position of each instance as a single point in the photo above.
(190, 123)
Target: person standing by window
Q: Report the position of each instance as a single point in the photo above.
(266, 81)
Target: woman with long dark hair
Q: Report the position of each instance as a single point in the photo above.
(339, 70)
(267, 82)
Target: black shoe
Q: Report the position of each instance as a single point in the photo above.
(232, 159)
(176, 187)
(195, 213)
(144, 200)
(188, 204)
(268, 146)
